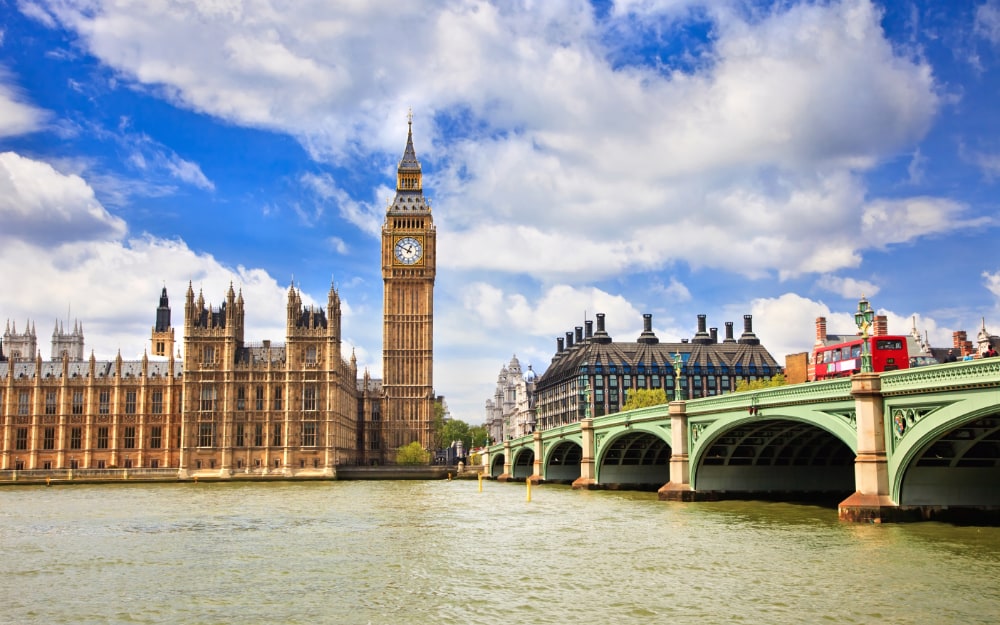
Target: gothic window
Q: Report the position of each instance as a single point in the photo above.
(311, 355)
(104, 401)
(241, 398)
(129, 437)
(155, 437)
(22, 439)
(258, 435)
(208, 355)
(76, 438)
(276, 435)
(22, 403)
(277, 398)
(77, 402)
(129, 402)
(102, 437)
(207, 399)
(309, 433)
(49, 439)
(239, 435)
(50, 402)
(309, 398)
(259, 395)
(157, 402)
(206, 435)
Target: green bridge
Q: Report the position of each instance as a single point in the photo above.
(914, 444)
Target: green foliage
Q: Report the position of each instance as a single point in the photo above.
(777, 380)
(412, 454)
(643, 397)
(478, 436)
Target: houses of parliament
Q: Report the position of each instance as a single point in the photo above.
(231, 406)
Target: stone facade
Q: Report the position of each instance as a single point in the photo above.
(229, 407)
(511, 411)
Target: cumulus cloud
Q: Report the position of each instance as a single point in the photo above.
(44, 207)
(992, 282)
(774, 129)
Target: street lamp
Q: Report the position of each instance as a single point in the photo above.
(678, 363)
(863, 318)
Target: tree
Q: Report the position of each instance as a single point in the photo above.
(437, 426)
(412, 454)
(478, 436)
(643, 397)
(776, 380)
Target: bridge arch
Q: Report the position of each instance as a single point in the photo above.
(523, 463)
(497, 460)
(562, 461)
(947, 456)
(635, 459)
(777, 456)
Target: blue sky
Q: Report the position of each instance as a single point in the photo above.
(670, 157)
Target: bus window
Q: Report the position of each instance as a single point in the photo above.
(889, 344)
(855, 351)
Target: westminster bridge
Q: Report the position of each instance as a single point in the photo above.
(910, 444)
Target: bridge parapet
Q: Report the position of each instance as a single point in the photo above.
(981, 373)
(807, 392)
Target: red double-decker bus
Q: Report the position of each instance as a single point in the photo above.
(843, 359)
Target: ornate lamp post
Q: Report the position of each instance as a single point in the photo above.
(863, 318)
(678, 364)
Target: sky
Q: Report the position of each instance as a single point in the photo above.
(671, 157)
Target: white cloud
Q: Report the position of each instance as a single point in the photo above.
(992, 283)
(987, 23)
(41, 206)
(847, 288)
(16, 115)
(885, 222)
(775, 128)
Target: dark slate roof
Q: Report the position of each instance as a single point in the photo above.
(642, 357)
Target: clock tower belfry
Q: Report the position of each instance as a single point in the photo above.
(409, 261)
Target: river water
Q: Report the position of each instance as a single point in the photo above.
(443, 552)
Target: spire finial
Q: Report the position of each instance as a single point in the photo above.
(409, 116)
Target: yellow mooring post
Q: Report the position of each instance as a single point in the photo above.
(528, 482)
(480, 481)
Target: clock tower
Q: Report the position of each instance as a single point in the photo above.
(409, 260)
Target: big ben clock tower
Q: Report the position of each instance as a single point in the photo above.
(409, 260)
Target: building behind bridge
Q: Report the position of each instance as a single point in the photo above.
(591, 373)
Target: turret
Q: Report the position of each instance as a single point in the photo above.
(162, 336)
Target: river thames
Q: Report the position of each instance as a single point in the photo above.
(443, 552)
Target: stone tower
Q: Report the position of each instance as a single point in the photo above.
(409, 260)
(163, 333)
(20, 346)
(67, 344)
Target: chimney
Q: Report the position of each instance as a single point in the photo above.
(729, 332)
(960, 341)
(589, 323)
(601, 336)
(579, 334)
(748, 337)
(702, 337)
(714, 333)
(559, 345)
(569, 340)
(820, 330)
(647, 335)
(881, 325)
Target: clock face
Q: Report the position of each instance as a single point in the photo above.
(408, 250)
